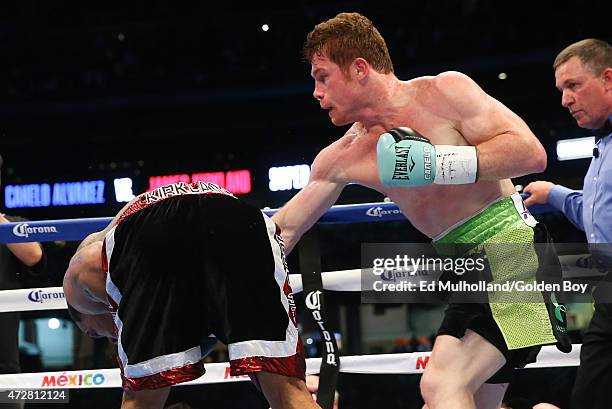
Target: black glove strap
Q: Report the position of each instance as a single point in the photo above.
(310, 267)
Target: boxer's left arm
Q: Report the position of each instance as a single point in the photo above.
(145, 399)
(506, 146)
(85, 281)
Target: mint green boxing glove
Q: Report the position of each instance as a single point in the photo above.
(406, 158)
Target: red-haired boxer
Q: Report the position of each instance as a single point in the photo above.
(443, 150)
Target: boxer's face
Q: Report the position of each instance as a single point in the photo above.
(336, 91)
(583, 93)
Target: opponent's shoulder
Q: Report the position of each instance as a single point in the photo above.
(88, 257)
(83, 263)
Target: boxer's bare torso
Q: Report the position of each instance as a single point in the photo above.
(433, 208)
(448, 109)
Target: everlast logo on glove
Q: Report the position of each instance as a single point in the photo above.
(401, 163)
(403, 169)
(406, 158)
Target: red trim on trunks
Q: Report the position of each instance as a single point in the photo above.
(166, 378)
(103, 255)
(294, 365)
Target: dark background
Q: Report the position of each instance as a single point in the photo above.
(93, 89)
(115, 89)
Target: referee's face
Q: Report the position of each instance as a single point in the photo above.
(584, 93)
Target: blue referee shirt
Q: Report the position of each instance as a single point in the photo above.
(590, 209)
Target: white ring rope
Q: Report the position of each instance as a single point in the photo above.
(398, 364)
(52, 298)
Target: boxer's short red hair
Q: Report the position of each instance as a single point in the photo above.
(346, 37)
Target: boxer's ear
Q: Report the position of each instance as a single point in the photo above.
(607, 77)
(360, 68)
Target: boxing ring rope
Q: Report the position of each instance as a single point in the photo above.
(78, 229)
(51, 298)
(396, 364)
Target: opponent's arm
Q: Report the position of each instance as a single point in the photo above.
(506, 146)
(85, 281)
(309, 204)
(145, 399)
(84, 278)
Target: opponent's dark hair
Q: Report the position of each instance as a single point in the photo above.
(593, 53)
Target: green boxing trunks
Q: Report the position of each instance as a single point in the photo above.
(516, 249)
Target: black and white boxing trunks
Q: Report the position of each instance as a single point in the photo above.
(188, 264)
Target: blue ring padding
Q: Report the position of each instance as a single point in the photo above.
(78, 229)
(51, 230)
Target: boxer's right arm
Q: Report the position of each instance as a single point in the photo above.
(309, 204)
